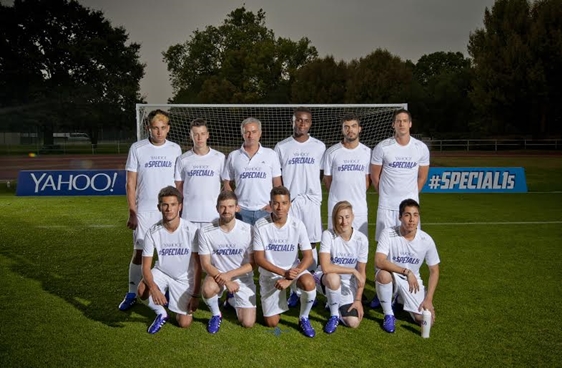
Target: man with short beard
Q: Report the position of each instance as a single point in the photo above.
(225, 250)
(346, 173)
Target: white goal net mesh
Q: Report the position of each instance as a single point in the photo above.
(224, 122)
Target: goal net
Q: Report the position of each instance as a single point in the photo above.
(224, 122)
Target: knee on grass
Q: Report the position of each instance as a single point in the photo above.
(184, 320)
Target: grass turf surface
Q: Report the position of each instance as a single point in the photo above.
(63, 266)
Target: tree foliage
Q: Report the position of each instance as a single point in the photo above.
(322, 81)
(517, 57)
(239, 61)
(68, 65)
(379, 77)
(445, 79)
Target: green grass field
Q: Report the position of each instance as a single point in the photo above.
(63, 268)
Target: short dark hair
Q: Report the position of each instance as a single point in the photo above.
(281, 190)
(351, 116)
(198, 122)
(301, 109)
(157, 112)
(170, 191)
(401, 111)
(407, 203)
(226, 195)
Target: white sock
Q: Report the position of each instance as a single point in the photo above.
(307, 299)
(334, 298)
(135, 276)
(213, 304)
(384, 292)
(314, 264)
(158, 309)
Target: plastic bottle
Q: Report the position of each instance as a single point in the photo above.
(426, 323)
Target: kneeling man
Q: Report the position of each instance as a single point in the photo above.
(400, 253)
(177, 272)
(277, 240)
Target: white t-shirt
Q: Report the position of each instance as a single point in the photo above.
(201, 176)
(174, 250)
(154, 166)
(408, 254)
(345, 253)
(228, 250)
(400, 166)
(348, 169)
(281, 245)
(300, 166)
(253, 177)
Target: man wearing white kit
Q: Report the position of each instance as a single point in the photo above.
(225, 250)
(253, 170)
(277, 241)
(398, 258)
(346, 173)
(177, 272)
(150, 167)
(399, 168)
(198, 176)
(300, 156)
(343, 259)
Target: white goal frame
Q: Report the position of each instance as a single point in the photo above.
(224, 122)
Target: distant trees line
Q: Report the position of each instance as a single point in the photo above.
(70, 66)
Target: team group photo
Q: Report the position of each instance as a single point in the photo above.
(204, 221)
(280, 183)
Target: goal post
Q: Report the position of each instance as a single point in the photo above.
(224, 122)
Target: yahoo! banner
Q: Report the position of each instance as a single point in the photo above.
(476, 180)
(71, 182)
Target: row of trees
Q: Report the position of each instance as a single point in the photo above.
(509, 85)
(63, 65)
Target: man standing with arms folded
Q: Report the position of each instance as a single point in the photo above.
(225, 251)
(198, 176)
(346, 173)
(150, 167)
(301, 161)
(253, 170)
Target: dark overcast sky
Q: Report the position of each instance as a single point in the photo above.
(346, 29)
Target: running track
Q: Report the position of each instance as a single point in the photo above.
(11, 165)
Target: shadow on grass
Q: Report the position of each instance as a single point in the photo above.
(80, 264)
(81, 285)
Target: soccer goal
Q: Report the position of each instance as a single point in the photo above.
(224, 122)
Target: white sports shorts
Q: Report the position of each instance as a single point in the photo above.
(309, 213)
(348, 287)
(274, 301)
(145, 221)
(179, 291)
(412, 301)
(386, 218)
(245, 297)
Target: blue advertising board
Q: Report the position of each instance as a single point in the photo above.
(71, 182)
(475, 180)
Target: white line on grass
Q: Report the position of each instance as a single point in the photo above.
(484, 223)
(100, 226)
(69, 226)
(494, 223)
